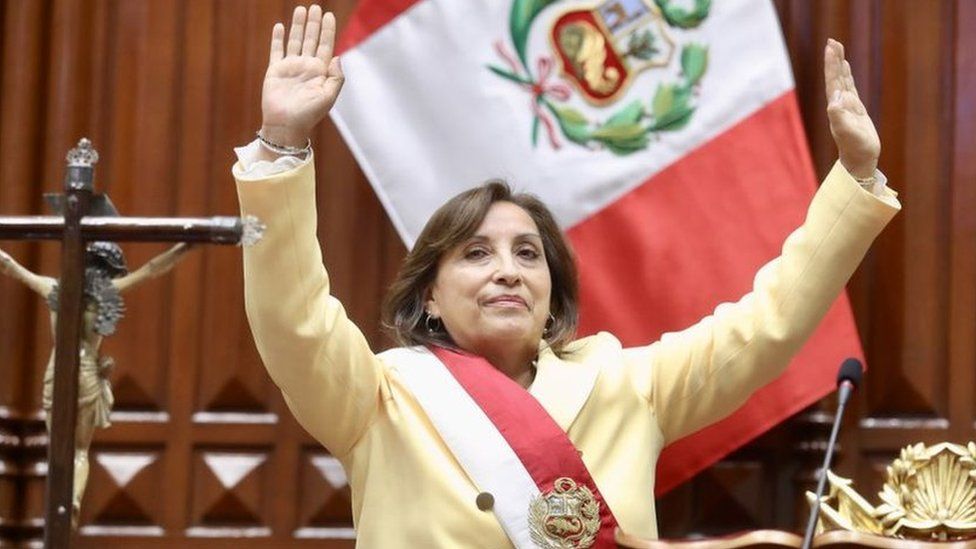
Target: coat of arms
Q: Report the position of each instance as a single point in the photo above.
(566, 517)
(600, 49)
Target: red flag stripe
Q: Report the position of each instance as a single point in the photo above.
(811, 375)
(750, 186)
(368, 17)
(706, 200)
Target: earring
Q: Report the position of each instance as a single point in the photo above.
(432, 323)
(547, 331)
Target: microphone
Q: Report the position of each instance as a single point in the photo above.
(848, 378)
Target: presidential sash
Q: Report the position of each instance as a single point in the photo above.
(511, 448)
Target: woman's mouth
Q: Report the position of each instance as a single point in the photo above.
(512, 301)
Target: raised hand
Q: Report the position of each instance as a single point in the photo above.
(857, 140)
(303, 78)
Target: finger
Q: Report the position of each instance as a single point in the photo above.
(297, 31)
(334, 78)
(849, 84)
(327, 38)
(833, 59)
(335, 69)
(277, 43)
(311, 42)
(838, 47)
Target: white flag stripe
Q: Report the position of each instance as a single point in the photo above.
(450, 123)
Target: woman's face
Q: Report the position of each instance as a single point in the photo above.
(492, 291)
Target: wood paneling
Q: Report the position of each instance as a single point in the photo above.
(202, 447)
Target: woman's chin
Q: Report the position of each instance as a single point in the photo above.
(509, 331)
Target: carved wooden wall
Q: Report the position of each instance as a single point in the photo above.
(202, 448)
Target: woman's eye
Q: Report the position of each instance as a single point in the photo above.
(528, 253)
(475, 253)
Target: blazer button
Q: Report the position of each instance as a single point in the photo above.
(485, 501)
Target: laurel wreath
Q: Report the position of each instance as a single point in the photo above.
(629, 129)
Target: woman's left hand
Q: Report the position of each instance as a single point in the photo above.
(857, 140)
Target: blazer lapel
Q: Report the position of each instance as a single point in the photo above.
(562, 387)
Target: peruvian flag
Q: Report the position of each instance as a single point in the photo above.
(664, 135)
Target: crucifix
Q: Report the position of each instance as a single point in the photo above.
(89, 218)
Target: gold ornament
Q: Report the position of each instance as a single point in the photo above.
(929, 494)
(566, 517)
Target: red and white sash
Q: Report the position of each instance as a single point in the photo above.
(510, 447)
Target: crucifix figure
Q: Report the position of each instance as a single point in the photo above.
(86, 304)
(106, 279)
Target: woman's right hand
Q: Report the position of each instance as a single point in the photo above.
(303, 78)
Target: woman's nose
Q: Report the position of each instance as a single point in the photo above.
(507, 270)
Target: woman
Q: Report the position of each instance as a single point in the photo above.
(499, 429)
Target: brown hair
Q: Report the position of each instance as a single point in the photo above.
(404, 313)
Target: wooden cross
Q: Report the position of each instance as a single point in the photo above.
(74, 230)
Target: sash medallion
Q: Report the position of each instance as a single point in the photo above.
(566, 517)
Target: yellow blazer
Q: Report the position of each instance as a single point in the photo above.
(619, 406)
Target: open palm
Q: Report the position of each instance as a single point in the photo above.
(854, 133)
(303, 78)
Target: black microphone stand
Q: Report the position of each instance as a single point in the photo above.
(844, 394)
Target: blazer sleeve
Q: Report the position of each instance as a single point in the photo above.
(697, 376)
(330, 378)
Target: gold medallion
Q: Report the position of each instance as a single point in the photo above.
(566, 517)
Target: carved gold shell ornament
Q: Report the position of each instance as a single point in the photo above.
(929, 494)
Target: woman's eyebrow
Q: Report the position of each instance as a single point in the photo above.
(486, 238)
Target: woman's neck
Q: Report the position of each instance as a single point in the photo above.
(519, 367)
